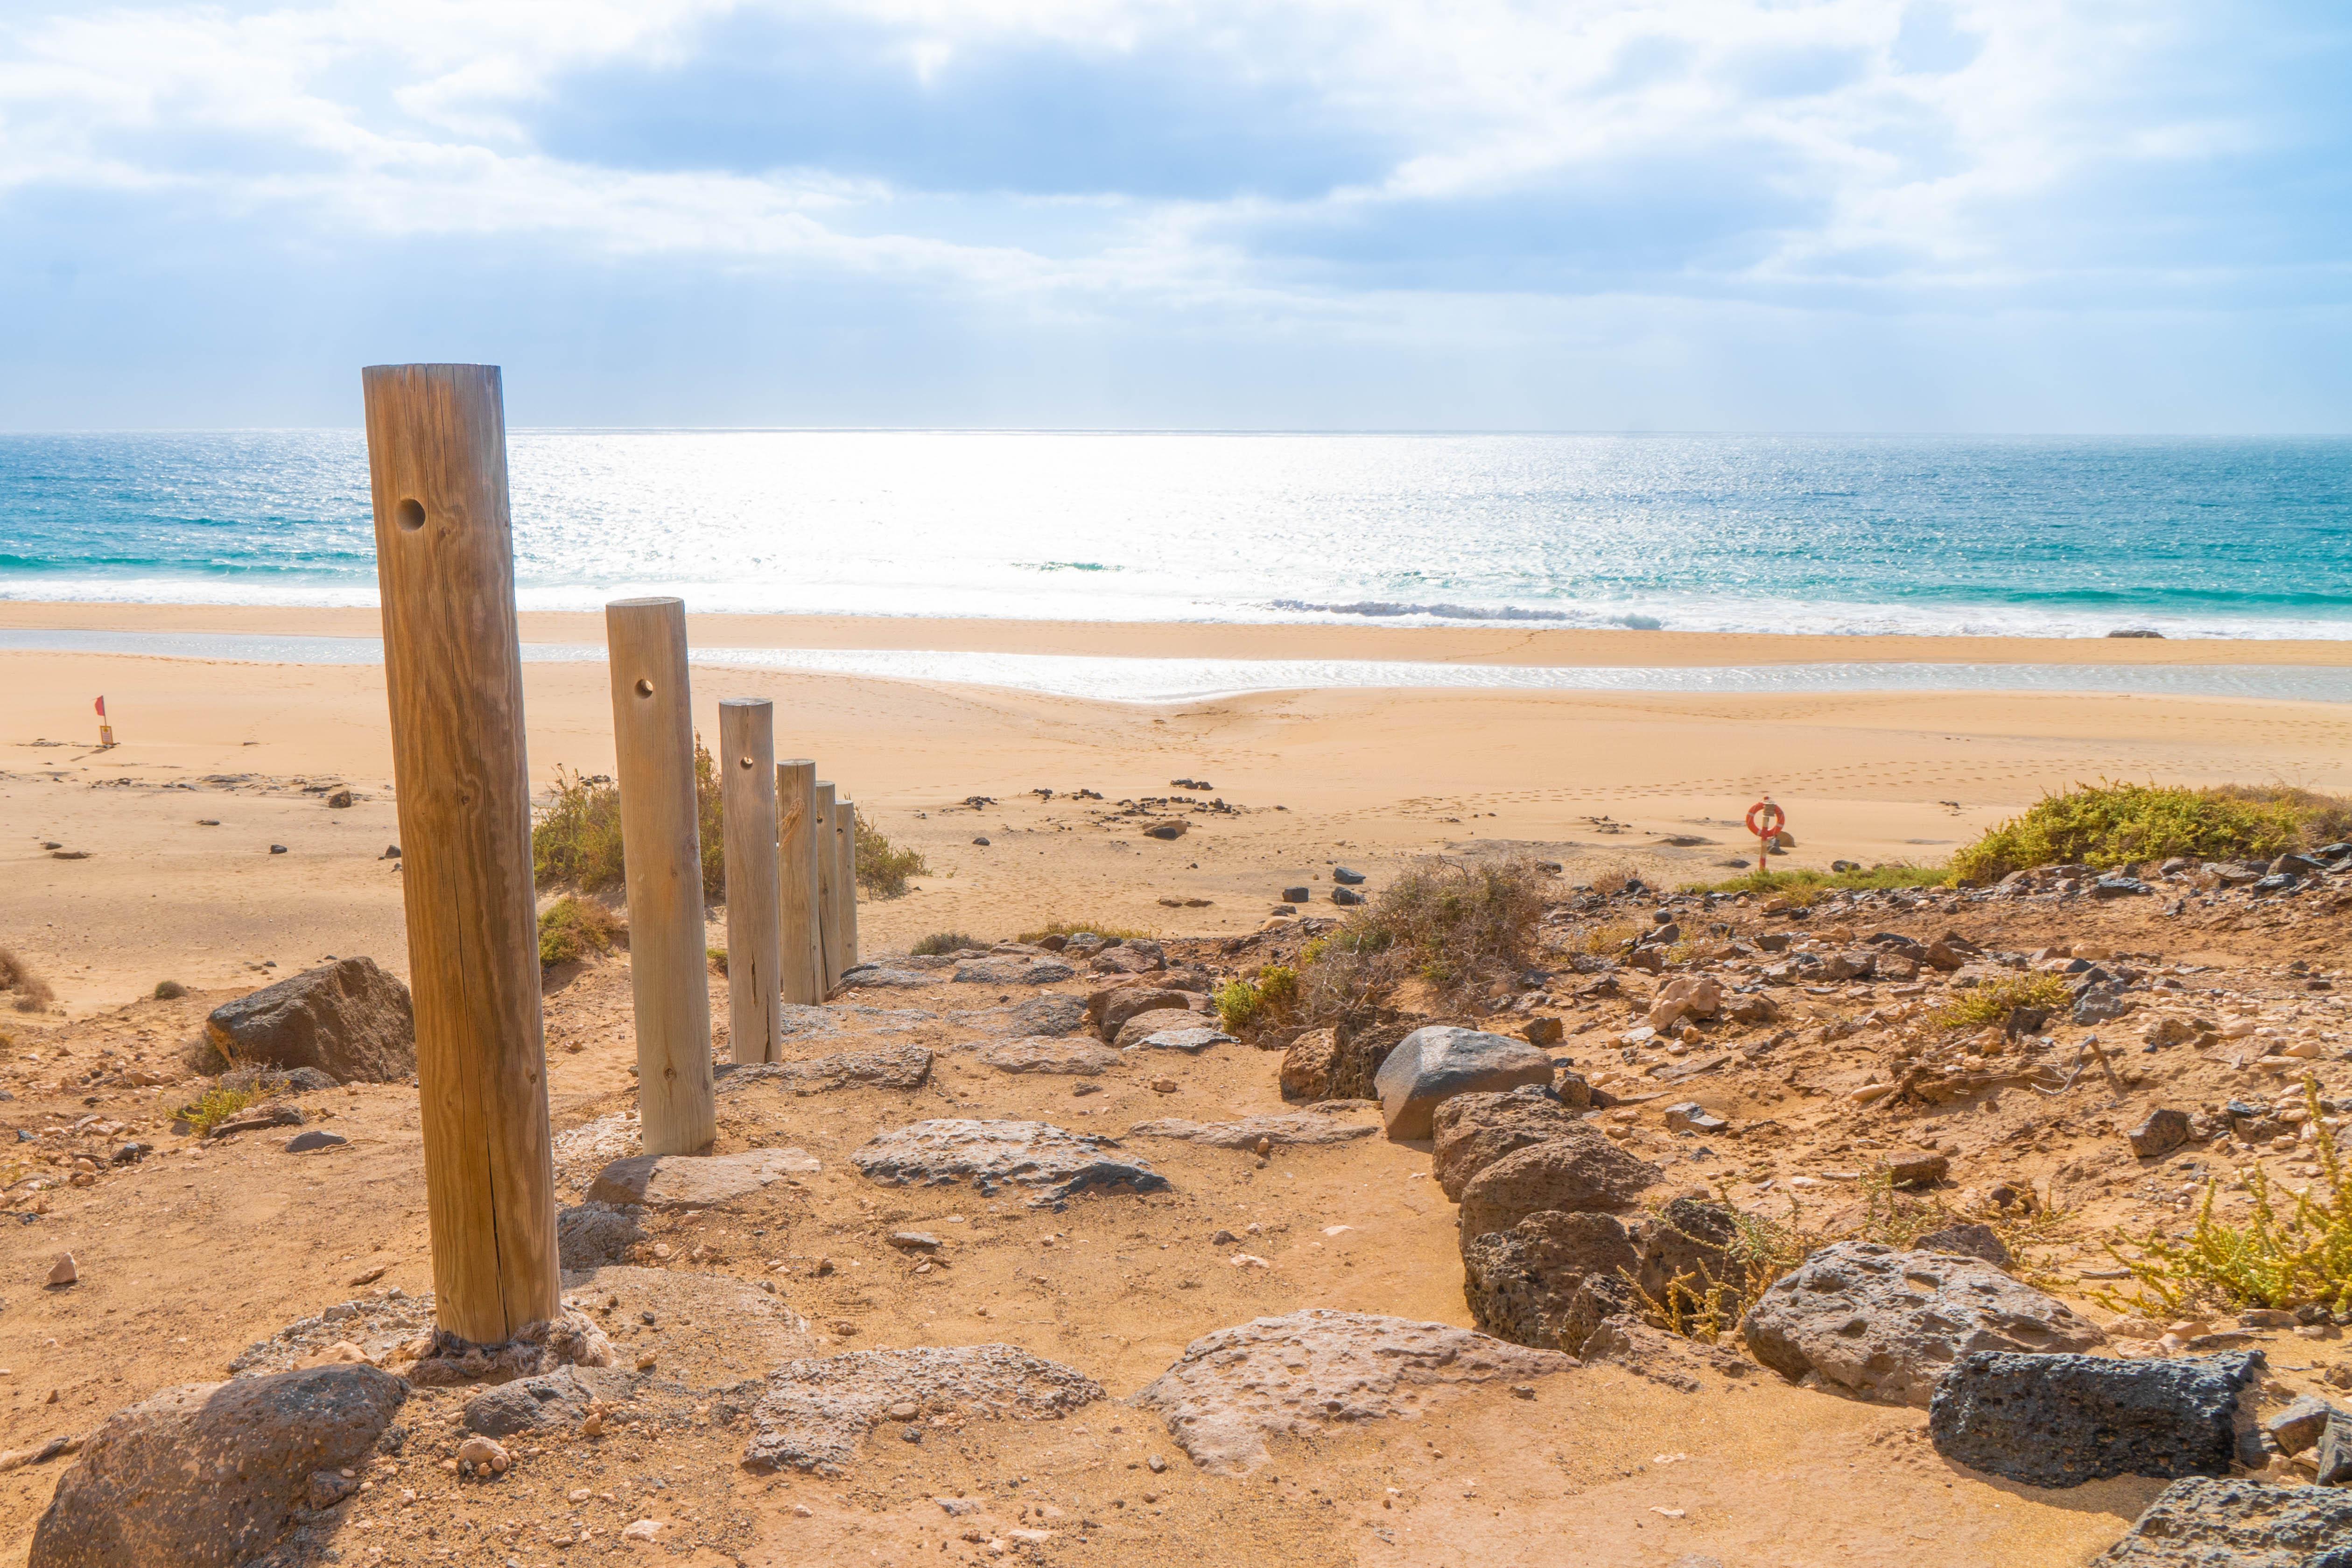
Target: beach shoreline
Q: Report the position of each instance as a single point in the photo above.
(1467, 645)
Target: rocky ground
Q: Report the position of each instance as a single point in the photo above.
(990, 1152)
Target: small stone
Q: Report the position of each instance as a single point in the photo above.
(2162, 1132)
(1156, 1464)
(1913, 1168)
(2299, 1426)
(1544, 1031)
(64, 1271)
(914, 1241)
(642, 1530)
(911, 1434)
(484, 1454)
(1692, 1117)
(1163, 1086)
(1296, 895)
(306, 1143)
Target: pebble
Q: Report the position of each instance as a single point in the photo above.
(482, 1453)
(643, 1530)
(64, 1270)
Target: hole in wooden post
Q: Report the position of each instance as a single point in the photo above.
(410, 514)
(645, 686)
(746, 762)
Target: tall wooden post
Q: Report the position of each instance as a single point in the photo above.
(796, 878)
(747, 769)
(845, 826)
(661, 853)
(828, 891)
(453, 669)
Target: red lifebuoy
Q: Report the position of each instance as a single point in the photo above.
(1771, 814)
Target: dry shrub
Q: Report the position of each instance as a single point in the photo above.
(940, 943)
(576, 842)
(573, 927)
(1100, 928)
(883, 866)
(1614, 879)
(32, 991)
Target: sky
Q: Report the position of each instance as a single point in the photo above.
(1612, 215)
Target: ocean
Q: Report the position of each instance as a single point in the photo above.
(2037, 536)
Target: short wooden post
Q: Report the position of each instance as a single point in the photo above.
(828, 891)
(453, 669)
(796, 878)
(747, 769)
(845, 821)
(661, 852)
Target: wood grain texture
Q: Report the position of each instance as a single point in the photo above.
(747, 772)
(845, 824)
(661, 854)
(796, 882)
(828, 916)
(453, 672)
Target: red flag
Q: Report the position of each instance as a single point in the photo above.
(102, 707)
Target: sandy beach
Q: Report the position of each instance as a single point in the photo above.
(1363, 777)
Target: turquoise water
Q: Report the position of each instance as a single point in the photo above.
(2057, 536)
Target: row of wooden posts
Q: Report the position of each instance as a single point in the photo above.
(453, 675)
(791, 875)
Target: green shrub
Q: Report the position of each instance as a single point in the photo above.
(882, 867)
(718, 957)
(576, 842)
(2301, 1259)
(1989, 1007)
(572, 928)
(941, 942)
(1265, 999)
(216, 1106)
(2110, 825)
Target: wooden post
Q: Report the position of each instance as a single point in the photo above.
(829, 878)
(796, 878)
(453, 669)
(747, 769)
(845, 822)
(661, 853)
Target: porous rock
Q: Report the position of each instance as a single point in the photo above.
(349, 1019)
(2159, 1132)
(550, 1402)
(1013, 969)
(1886, 1324)
(1297, 1127)
(1035, 1154)
(1051, 1014)
(1433, 1065)
(676, 1182)
(2062, 1420)
(2200, 1523)
(1111, 1009)
(591, 1234)
(211, 1474)
(1519, 1282)
(1685, 996)
(1189, 1039)
(1687, 1247)
(1307, 1064)
(1598, 1299)
(814, 1413)
(1051, 1054)
(1968, 1238)
(1471, 1132)
(1232, 1389)
(1580, 1172)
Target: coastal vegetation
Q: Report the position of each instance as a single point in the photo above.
(883, 867)
(2110, 826)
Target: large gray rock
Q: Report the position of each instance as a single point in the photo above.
(1291, 1127)
(349, 1019)
(1189, 1039)
(1520, 1283)
(696, 1181)
(905, 1067)
(1013, 969)
(2198, 1523)
(1433, 1065)
(1111, 1009)
(814, 1414)
(1053, 1162)
(212, 1475)
(1138, 1026)
(1051, 1054)
(2062, 1420)
(1887, 1324)
(1580, 1172)
(1471, 1132)
(552, 1401)
(1232, 1389)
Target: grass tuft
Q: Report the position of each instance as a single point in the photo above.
(218, 1105)
(941, 942)
(2300, 1258)
(2109, 824)
(33, 993)
(883, 866)
(1100, 928)
(572, 928)
(1267, 998)
(1989, 1007)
